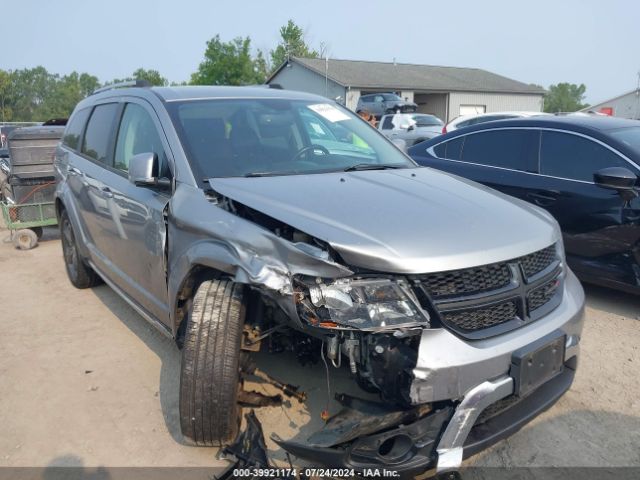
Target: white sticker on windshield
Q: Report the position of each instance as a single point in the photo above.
(329, 112)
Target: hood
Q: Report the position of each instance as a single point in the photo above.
(414, 220)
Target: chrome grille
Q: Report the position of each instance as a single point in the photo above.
(480, 318)
(537, 261)
(468, 281)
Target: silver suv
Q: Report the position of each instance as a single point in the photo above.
(229, 215)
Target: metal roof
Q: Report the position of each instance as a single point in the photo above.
(396, 76)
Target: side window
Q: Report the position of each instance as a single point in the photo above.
(378, 98)
(570, 156)
(450, 150)
(500, 148)
(440, 150)
(367, 99)
(73, 131)
(98, 134)
(138, 134)
(387, 124)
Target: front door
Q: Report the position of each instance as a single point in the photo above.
(138, 231)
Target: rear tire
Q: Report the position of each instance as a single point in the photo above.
(80, 274)
(210, 376)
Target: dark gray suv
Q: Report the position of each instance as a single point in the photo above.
(384, 103)
(230, 217)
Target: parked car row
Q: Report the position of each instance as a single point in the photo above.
(229, 215)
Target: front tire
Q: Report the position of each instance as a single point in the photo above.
(210, 376)
(80, 274)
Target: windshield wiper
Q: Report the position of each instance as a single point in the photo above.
(260, 174)
(371, 166)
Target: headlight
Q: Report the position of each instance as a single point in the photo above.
(369, 304)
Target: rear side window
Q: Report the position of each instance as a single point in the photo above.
(500, 148)
(387, 124)
(97, 137)
(73, 131)
(577, 158)
(450, 150)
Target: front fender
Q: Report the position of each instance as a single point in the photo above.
(203, 234)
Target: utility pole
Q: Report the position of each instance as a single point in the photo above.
(326, 76)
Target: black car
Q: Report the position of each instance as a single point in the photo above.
(583, 170)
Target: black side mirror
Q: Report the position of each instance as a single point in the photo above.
(616, 178)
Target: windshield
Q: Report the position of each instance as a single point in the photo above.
(255, 137)
(427, 120)
(628, 136)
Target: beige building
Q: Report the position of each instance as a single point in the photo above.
(446, 92)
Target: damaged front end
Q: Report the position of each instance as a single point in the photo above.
(368, 435)
(374, 323)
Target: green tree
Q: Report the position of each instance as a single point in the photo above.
(565, 97)
(151, 76)
(5, 96)
(66, 92)
(292, 44)
(228, 63)
(30, 87)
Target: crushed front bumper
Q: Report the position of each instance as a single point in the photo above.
(460, 380)
(440, 439)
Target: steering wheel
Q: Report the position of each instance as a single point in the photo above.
(310, 148)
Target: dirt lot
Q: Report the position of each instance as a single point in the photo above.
(86, 381)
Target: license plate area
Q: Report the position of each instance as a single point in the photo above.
(537, 363)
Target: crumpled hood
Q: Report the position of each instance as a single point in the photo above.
(414, 220)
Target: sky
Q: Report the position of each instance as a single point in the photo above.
(594, 42)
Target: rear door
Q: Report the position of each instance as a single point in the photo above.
(85, 175)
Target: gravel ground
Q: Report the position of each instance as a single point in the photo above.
(85, 381)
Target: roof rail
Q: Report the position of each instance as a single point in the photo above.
(276, 86)
(128, 83)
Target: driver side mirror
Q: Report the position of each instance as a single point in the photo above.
(143, 171)
(616, 178)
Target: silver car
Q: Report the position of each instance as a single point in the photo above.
(234, 216)
(411, 128)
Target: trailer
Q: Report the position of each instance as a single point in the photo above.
(27, 183)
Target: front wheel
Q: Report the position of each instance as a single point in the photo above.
(210, 376)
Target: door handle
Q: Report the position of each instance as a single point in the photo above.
(106, 192)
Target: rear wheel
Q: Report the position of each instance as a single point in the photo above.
(210, 377)
(80, 274)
